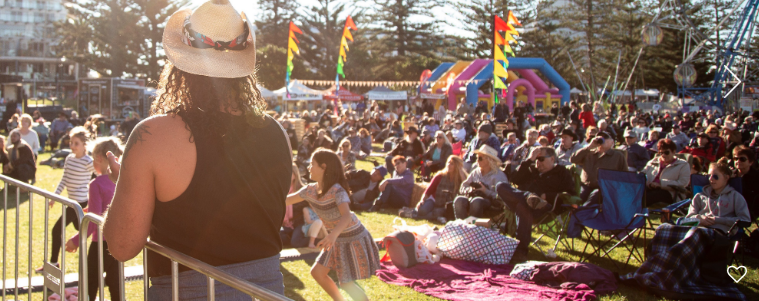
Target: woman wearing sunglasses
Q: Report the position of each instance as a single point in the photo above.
(746, 168)
(664, 172)
(719, 206)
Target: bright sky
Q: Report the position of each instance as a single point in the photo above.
(250, 7)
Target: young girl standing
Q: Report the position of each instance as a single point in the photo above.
(348, 249)
(77, 173)
(100, 196)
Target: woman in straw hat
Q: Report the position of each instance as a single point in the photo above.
(194, 176)
(478, 191)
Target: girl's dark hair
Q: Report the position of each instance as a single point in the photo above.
(333, 170)
(197, 98)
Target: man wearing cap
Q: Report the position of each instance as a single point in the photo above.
(677, 136)
(637, 155)
(396, 191)
(556, 128)
(365, 186)
(484, 137)
(411, 148)
(597, 155)
(540, 180)
(566, 147)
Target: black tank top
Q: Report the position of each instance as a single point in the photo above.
(233, 209)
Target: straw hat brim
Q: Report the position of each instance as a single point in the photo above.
(208, 62)
(478, 152)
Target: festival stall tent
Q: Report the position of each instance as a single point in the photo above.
(298, 92)
(343, 95)
(384, 93)
(266, 93)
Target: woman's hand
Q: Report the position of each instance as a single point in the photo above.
(70, 246)
(654, 185)
(327, 242)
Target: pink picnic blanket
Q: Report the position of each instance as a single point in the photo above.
(464, 281)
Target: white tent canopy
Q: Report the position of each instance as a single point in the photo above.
(265, 93)
(383, 93)
(298, 91)
(575, 91)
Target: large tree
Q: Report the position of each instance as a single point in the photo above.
(155, 14)
(273, 21)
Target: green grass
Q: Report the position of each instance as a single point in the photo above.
(299, 285)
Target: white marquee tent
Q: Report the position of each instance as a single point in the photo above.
(298, 92)
(383, 93)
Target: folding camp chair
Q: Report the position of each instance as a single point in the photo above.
(554, 223)
(622, 210)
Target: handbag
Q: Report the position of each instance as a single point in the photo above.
(460, 240)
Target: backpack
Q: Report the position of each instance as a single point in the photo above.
(400, 249)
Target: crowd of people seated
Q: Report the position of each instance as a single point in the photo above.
(471, 169)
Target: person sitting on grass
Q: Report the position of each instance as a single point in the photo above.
(396, 191)
(436, 156)
(346, 155)
(312, 227)
(411, 148)
(441, 191)
(365, 186)
(540, 180)
(100, 196)
(349, 248)
(478, 190)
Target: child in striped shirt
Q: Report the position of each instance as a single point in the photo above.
(77, 173)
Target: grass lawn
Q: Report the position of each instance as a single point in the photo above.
(299, 285)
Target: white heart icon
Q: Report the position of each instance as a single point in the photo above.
(737, 270)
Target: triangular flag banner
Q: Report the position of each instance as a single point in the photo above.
(498, 39)
(498, 70)
(500, 25)
(347, 34)
(498, 54)
(512, 19)
(499, 83)
(343, 55)
(507, 49)
(294, 28)
(292, 45)
(344, 43)
(349, 23)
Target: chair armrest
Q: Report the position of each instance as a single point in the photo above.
(678, 205)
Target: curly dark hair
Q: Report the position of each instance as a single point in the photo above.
(198, 99)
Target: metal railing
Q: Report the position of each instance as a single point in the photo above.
(212, 273)
(54, 276)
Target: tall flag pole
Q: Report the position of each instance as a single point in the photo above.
(343, 54)
(500, 61)
(292, 47)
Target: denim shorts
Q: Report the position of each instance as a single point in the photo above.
(194, 286)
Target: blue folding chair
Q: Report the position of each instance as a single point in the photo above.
(622, 211)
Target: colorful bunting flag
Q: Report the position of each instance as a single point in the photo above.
(500, 61)
(343, 55)
(292, 47)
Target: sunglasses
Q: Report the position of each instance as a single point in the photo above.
(664, 153)
(714, 176)
(541, 158)
(742, 159)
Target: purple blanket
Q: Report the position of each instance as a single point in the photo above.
(462, 280)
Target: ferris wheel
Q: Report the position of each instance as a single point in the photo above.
(673, 14)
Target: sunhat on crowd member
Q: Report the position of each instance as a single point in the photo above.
(207, 114)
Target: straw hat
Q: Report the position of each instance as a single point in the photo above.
(214, 40)
(486, 150)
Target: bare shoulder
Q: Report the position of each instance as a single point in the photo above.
(154, 134)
